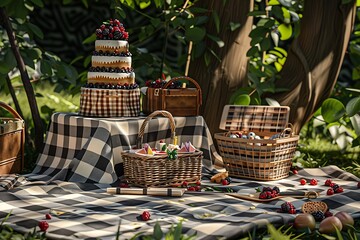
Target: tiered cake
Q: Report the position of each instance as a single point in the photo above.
(111, 90)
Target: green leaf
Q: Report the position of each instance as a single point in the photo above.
(243, 99)
(155, 22)
(332, 110)
(252, 51)
(195, 34)
(281, 50)
(356, 142)
(197, 9)
(285, 30)
(201, 20)
(286, 15)
(76, 59)
(45, 67)
(36, 30)
(234, 26)
(87, 61)
(121, 12)
(34, 53)
(158, 233)
(257, 13)
(158, 3)
(216, 39)
(85, 3)
(9, 59)
(258, 32)
(17, 9)
(207, 58)
(89, 39)
(216, 20)
(38, 3)
(353, 106)
(273, 2)
(278, 13)
(265, 44)
(346, 1)
(265, 22)
(144, 5)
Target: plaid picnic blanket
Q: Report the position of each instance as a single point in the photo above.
(86, 211)
(88, 150)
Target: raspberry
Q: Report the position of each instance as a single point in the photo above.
(285, 207)
(302, 181)
(339, 190)
(43, 225)
(191, 189)
(313, 182)
(266, 189)
(335, 186)
(328, 182)
(328, 214)
(262, 195)
(292, 211)
(224, 182)
(318, 215)
(330, 191)
(184, 184)
(48, 216)
(145, 216)
(197, 188)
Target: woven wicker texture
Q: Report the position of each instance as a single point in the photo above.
(261, 159)
(12, 139)
(158, 170)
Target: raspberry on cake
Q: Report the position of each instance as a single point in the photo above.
(111, 90)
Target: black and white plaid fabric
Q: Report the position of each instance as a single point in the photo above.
(109, 102)
(86, 211)
(87, 150)
(9, 181)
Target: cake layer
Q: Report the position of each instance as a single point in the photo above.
(111, 45)
(112, 78)
(109, 102)
(111, 61)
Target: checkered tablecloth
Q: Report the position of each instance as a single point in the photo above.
(88, 150)
(86, 211)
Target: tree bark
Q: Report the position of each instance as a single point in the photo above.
(315, 58)
(39, 129)
(219, 80)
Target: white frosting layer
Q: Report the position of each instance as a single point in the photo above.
(112, 44)
(93, 75)
(110, 59)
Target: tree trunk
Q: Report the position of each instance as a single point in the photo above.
(315, 58)
(220, 79)
(39, 129)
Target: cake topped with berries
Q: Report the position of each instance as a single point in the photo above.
(111, 89)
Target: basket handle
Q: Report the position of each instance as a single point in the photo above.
(10, 110)
(289, 128)
(148, 118)
(186, 78)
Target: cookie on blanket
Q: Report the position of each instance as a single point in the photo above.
(219, 177)
(310, 207)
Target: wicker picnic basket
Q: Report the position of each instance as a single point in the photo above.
(267, 158)
(12, 139)
(158, 171)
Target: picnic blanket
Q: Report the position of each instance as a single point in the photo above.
(88, 150)
(86, 211)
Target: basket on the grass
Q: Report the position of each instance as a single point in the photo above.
(157, 170)
(267, 158)
(12, 139)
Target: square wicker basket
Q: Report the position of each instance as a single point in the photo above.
(158, 170)
(268, 158)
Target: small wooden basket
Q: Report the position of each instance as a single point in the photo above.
(12, 140)
(261, 159)
(158, 170)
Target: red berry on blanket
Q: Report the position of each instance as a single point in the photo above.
(48, 216)
(332, 184)
(145, 216)
(292, 211)
(313, 182)
(302, 181)
(197, 188)
(224, 182)
(124, 185)
(198, 183)
(184, 184)
(330, 191)
(328, 182)
(192, 189)
(339, 190)
(43, 225)
(286, 207)
(295, 171)
(328, 214)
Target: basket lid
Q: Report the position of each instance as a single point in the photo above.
(255, 118)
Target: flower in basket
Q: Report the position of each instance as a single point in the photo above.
(146, 150)
(172, 151)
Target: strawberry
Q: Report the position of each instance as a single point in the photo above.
(43, 225)
(48, 216)
(145, 216)
(313, 182)
(330, 191)
(328, 182)
(302, 181)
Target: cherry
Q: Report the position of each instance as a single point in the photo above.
(313, 182)
(330, 191)
(302, 181)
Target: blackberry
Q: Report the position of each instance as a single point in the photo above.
(105, 32)
(336, 186)
(117, 35)
(276, 189)
(90, 85)
(266, 189)
(318, 215)
(285, 207)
